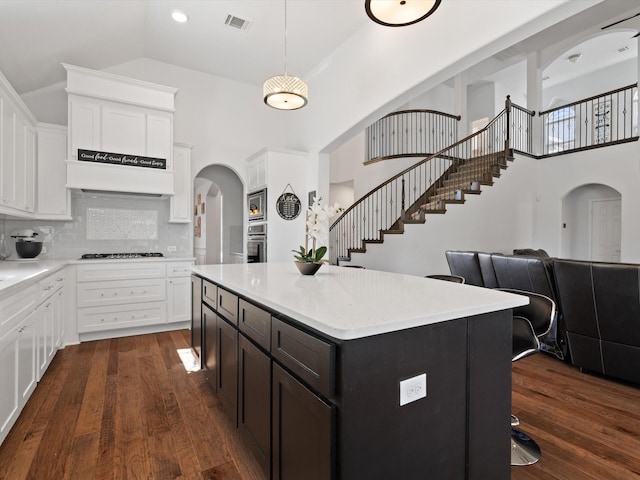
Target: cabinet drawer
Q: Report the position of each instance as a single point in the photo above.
(50, 285)
(15, 308)
(120, 271)
(210, 294)
(92, 294)
(255, 323)
(179, 269)
(308, 357)
(96, 319)
(228, 305)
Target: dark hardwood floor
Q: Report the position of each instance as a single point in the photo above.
(127, 409)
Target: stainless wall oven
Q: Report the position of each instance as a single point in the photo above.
(257, 243)
(257, 205)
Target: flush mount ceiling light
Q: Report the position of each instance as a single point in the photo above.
(285, 92)
(179, 16)
(399, 13)
(575, 58)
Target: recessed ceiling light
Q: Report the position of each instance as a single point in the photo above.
(179, 16)
(575, 58)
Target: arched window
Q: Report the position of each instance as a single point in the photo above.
(561, 128)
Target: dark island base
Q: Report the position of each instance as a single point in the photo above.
(459, 431)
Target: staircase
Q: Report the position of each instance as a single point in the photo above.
(467, 179)
(442, 179)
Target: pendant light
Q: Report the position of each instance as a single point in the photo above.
(399, 13)
(285, 92)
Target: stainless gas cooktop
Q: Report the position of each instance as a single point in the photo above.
(119, 256)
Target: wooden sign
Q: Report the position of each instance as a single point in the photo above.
(121, 159)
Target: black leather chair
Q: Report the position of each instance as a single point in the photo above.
(448, 278)
(530, 323)
(533, 274)
(465, 264)
(601, 305)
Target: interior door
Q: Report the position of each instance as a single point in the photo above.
(605, 230)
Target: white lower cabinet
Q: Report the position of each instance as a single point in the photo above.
(9, 408)
(49, 318)
(124, 295)
(27, 355)
(179, 291)
(17, 355)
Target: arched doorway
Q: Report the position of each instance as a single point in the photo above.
(218, 216)
(591, 223)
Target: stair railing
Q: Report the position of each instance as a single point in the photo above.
(410, 133)
(386, 208)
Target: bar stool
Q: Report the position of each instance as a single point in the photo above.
(530, 322)
(448, 278)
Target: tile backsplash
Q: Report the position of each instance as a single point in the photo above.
(105, 223)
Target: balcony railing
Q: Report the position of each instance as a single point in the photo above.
(410, 133)
(594, 122)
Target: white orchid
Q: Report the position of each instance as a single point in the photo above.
(316, 229)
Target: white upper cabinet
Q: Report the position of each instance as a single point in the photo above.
(17, 154)
(180, 210)
(257, 172)
(53, 198)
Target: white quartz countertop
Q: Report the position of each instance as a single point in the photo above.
(349, 303)
(14, 273)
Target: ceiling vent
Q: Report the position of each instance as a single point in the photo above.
(237, 22)
(507, 54)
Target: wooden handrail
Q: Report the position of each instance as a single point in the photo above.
(612, 92)
(450, 115)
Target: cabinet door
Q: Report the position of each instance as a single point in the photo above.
(53, 198)
(302, 431)
(196, 316)
(9, 403)
(45, 331)
(254, 401)
(179, 299)
(59, 318)
(27, 378)
(123, 130)
(209, 323)
(228, 367)
(29, 181)
(7, 180)
(180, 202)
(160, 137)
(84, 126)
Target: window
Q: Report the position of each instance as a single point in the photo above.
(561, 128)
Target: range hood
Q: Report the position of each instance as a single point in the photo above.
(120, 135)
(99, 177)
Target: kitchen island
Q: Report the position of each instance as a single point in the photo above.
(319, 361)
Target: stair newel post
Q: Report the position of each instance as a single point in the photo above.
(507, 109)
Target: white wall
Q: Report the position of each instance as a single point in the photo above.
(285, 168)
(500, 219)
(342, 194)
(590, 84)
(617, 167)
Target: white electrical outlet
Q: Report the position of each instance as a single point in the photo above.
(413, 389)
(171, 248)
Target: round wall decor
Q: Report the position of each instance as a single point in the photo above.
(288, 204)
